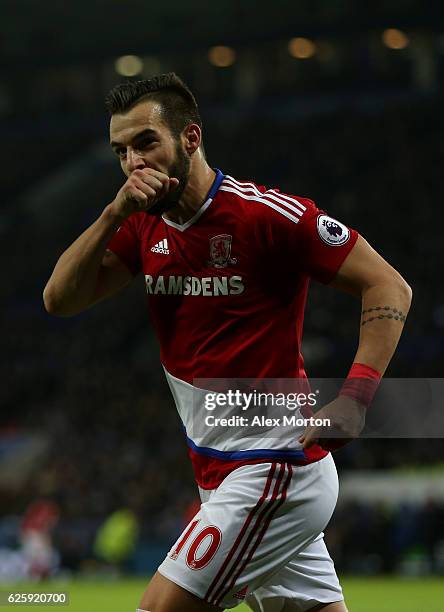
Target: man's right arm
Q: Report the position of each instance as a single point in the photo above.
(86, 272)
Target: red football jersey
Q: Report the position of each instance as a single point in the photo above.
(226, 296)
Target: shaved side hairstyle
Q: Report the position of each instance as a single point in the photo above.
(179, 106)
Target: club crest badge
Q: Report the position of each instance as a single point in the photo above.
(331, 231)
(220, 251)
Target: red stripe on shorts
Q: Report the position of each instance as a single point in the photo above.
(260, 536)
(243, 530)
(256, 527)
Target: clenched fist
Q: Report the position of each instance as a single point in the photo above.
(141, 191)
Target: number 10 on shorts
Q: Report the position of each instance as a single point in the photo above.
(202, 548)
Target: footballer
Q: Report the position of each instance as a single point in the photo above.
(226, 265)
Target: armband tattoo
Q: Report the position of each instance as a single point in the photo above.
(388, 312)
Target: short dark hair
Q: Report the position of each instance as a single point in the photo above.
(179, 106)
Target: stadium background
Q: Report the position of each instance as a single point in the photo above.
(337, 101)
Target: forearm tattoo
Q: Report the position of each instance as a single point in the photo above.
(387, 313)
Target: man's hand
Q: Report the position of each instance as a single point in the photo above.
(347, 420)
(143, 188)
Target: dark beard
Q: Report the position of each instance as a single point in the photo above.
(179, 169)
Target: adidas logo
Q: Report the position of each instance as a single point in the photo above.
(242, 593)
(161, 247)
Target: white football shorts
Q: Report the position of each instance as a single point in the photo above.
(258, 537)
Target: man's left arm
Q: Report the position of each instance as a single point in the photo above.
(385, 297)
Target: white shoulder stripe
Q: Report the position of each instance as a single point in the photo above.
(286, 197)
(261, 200)
(282, 197)
(276, 198)
(242, 186)
(294, 206)
(239, 183)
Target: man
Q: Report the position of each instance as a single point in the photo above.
(227, 266)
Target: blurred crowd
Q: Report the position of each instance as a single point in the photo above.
(93, 385)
